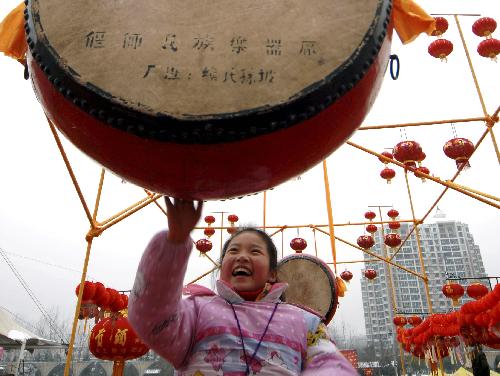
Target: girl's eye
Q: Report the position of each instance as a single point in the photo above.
(257, 251)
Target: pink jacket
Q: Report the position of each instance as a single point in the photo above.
(199, 334)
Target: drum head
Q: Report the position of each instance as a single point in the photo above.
(311, 284)
(188, 58)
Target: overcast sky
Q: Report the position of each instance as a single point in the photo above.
(43, 226)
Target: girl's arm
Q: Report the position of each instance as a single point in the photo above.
(323, 357)
(157, 312)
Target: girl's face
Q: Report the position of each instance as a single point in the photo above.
(246, 263)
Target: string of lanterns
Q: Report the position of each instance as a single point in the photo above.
(442, 335)
(483, 27)
(112, 337)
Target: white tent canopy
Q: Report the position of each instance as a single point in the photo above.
(12, 335)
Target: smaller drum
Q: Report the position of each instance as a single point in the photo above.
(311, 282)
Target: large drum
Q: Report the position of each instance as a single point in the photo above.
(207, 99)
(311, 283)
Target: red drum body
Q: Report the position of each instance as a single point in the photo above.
(311, 284)
(208, 110)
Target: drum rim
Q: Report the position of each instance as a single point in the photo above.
(229, 127)
(329, 273)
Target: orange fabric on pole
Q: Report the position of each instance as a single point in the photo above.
(12, 36)
(410, 20)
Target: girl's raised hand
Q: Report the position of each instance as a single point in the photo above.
(182, 217)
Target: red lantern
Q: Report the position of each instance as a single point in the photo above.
(298, 244)
(89, 290)
(209, 231)
(484, 27)
(454, 291)
(400, 321)
(209, 219)
(459, 149)
(385, 154)
(477, 290)
(88, 308)
(114, 339)
(414, 320)
(366, 241)
(371, 228)
(408, 152)
(393, 213)
(119, 303)
(388, 174)
(203, 245)
(489, 48)
(232, 218)
(440, 49)
(394, 225)
(419, 170)
(370, 215)
(392, 240)
(346, 275)
(370, 273)
(441, 26)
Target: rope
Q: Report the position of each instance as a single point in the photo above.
(35, 300)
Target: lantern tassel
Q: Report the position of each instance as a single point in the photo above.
(85, 326)
(118, 367)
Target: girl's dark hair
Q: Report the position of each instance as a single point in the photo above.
(271, 248)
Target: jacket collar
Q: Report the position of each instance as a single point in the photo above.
(271, 295)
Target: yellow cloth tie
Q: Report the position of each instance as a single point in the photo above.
(341, 287)
(410, 20)
(12, 36)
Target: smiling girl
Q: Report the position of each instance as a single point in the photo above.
(244, 328)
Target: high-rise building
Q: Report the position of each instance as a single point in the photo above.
(448, 250)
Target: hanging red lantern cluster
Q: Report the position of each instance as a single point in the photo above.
(490, 47)
(346, 275)
(365, 241)
(476, 322)
(209, 231)
(441, 47)
(460, 150)
(393, 225)
(387, 173)
(453, 291)
(96, 300)
(371, 228)
(114, 339)
(203, 245)
(408, 153)
(232, 218)
(370, 274)
(298, 244)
